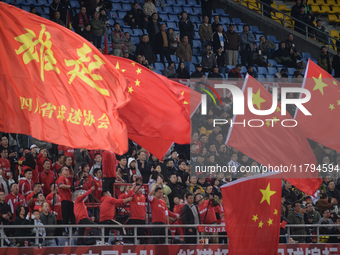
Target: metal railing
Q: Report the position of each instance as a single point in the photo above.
(287, 17)
(167, 238)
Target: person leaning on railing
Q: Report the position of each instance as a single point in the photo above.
(21, 214)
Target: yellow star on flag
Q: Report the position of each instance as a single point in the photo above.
(133, 63)
(139, 70)
(257, 100)
(335, 83)
(267, 193)
(275, 211)
(260, 224)
(338, 102)
(185, 102)
(331, 106)
(130, 90)
(270, 222)
(278, 109)
(275, 119)
(319, 84)
(255, 218)
(117, 67)
(267, 123)
(137, 82)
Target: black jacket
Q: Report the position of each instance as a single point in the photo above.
(186, 28)
(151, 30)
(63, 8)
(176, 191)
(146, 50)
(289, 195)
(4, 209)
(216, 41)
(183, 74)
(188, 216)
(159, 41)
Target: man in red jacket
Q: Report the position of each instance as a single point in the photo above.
(160, 214)
(47, 177)
(108, 209)
(82, 216)
(5, 163)
(41, 158)
(54, 200)
(109, 170)
(26, 183)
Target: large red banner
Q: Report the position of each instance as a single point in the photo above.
(212, 249)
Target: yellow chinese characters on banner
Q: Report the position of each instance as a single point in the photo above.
(43, 54)
(77, 117)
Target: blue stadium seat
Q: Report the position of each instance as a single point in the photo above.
(272, 38)
(181, 2)
(196, 26)
(306, 55)
(192, 2)
(261, 70)
(192, 68)
(177, 10)
(173, 18)
(74, 4)
(29, 2)
(255, 30)
(157, 71)
(230, 67)
(270, 78)
(271, 70)
(261, 78)
(221, 12)
(257, 38)
(137, 32)
(195, 19)
(46, 16)
(116, 7)
(272, 61)
(158, 58)
(237, 21)
(171, 25)
(239, 29)
(199, 59)
(194, 60)
(112, 22)
(188, 10)
(174, 58)
(46, 10)
(126, 7)
(39, 9)
(121, 15)
(164, 17)
(225, 28)
(43, 3)
(225, 20)
(195, 51)
(166, 9)
(196, 44)
(243, 69)
(170, 2)
(129, 30)
(9, 1)
(26, 8)
(135, 40)
(196, 36)
(291, 70)
(159, 66)
(197, 11)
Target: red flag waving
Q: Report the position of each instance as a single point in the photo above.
(275, 146)
(156, 108)
(57, 86)
(106, 48)
(256, 230)
(158, 146)
(323, 125)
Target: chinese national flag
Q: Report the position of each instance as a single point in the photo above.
(156, 108)
(56, 86)
(323, 125)
(158, 146)
(256, 229)
(273, 144)
(106, 48)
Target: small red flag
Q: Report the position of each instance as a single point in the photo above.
(282, 148)
(106, 48)
(156, 108)
(69, 25)
(323, 125)
(256, 229)
(68, 97)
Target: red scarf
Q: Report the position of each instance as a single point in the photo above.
(81, 21)
(121, 36)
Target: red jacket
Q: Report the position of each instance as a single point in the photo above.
(107, 207)
(80, 210)
(25, 186)
(47, 180)
(41, 162)
(109, 164)
(57, 206)
(159, 210)
(137, 207)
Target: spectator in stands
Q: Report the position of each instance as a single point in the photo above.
(118, 40)
(198, 71)
(303, 19)
(129, 20)
(170, 71)
(174, 40)
(20, 219)
(324, 204)
(247, 39)
(157, 2)
(221, 61)
(34, 11)
(105, 20)
(208, 59)
(332, 192)
(325, 60)
(294, 217)
(215, 23)
(186, 28)
(220, 40)
(176, 190)
(190, 216)
(182, 72)
(149, 8)
(162, 44)
(284, 78)
(296, 9)
(267, 47)
(47, 177)
(252, 72)
(80, 20)
(206, 8)
(184, 52)
(320, 32)
(142, 166)
(153, 27)
(54, 7)
(48, 218)
(5, 209)
(97, 27)
(144, 48)
(215, 73)
(278, 75)
(81, 156)
(138, 15)
(234, 40)
(14, 199)
(311, 213)
(336, 64)
(128, 44)
(66, 11)
(205, 31)
(235, 72)
(257, 56)
(26, 183)
(288, 193)
(284, 56)
(57, 19)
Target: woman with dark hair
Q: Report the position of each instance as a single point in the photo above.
(182, 72)
(68, 163)
(20, 219)
(30, 163)
(214, 183)
(34, 11)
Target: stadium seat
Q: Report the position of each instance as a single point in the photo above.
(157, 71)
(272, 62)
(283, 8)
(180, 2)
(29, 2)
(177, 10)
(331, 2)
(137, 32)
(270, 78)
(306, 55)
(166, 10)
(243, 69)
(192, 68)
(197, 11)
(271, 70)
(196, 36)
(225, 20)
(261, 78)
(192, 3)
(121, 15)
(170, 2)
(291, 70)
(158, 58)
(277, 16)
(129, 30)
(164, 17)
(43, 3)
(261, 70)
(199, 59)
(46, 16)
(173, 18)
(196, 44)
(171, 25)
(325, 9)
(174, 58)
(255, 30)
(230, 67)
(257, 38)
(319, 2)
(126, 7)
(189, 10)
(26, 8)
(336, 9)
(333, 19)
(135, 40)
(334, 33)
(237, 21)
(221, 12)
(195, 19)
(116, 7)
(195, 51)
(39, 9)
(159, 66)
(272, 38)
